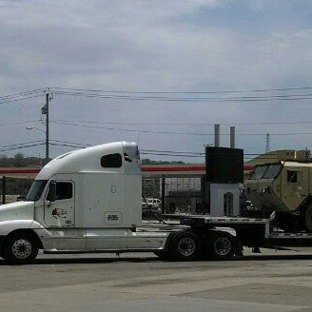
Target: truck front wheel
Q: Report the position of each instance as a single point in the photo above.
(184, 246)
(20, 248)
(220, 245)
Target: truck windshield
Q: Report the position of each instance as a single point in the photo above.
(36, 190)
(266, 172)
(272, 171)
(259, 172)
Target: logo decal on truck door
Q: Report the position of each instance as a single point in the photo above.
(59, 213)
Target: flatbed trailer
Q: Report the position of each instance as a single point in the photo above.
(224, 237)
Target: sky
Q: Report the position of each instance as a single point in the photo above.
(160, 73)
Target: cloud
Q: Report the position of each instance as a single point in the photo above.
(157, 46)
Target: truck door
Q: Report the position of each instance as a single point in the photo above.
(60, 213)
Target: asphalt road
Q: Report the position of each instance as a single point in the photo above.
(271, 281)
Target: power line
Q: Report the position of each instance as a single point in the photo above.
(172, 96)
(128, 130)
(68, 144)
(90, 126)
(171, 153)
(18, 146)
(192, 99)
(184, 124)
(18, 123)
(166, 96)
(20, 94)
(184, 154)
(7, 101)
(183, 92)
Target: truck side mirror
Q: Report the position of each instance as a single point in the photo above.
(52, 191)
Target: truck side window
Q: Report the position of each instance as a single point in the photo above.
(292, 176)
(111, 161)
(64, 190)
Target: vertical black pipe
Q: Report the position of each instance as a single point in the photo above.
(3, 189)
(163, 193)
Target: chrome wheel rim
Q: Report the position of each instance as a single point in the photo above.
(186, 246)
(21, 249)
(222, 246)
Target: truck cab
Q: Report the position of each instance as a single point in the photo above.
(82, 201)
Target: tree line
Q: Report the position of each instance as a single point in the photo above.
(20, 186)
(19, 160)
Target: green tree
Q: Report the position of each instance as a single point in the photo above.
(19, 160)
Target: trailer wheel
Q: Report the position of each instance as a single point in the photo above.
(220, 246)
(2, 255)
(185, 246)
(20, 248)
(308, 219)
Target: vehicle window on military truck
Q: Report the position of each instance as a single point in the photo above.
(292, 176)
(259, 172)
(272, 171)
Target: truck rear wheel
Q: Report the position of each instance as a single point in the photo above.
(20, 248)
(2, 255)
(184, 246)
(220, 245)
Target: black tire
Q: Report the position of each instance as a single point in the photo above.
(21, 248)
(220, 245)
(308, 219)
(185, 246)
(2, 255)
(289, 222)
(163, 255)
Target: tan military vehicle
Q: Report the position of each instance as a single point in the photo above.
(284, 186)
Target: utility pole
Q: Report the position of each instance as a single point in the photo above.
(47, 127)
(45, 111)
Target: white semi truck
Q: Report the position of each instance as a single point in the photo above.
(89, 201)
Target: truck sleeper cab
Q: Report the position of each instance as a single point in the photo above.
(88, 200)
